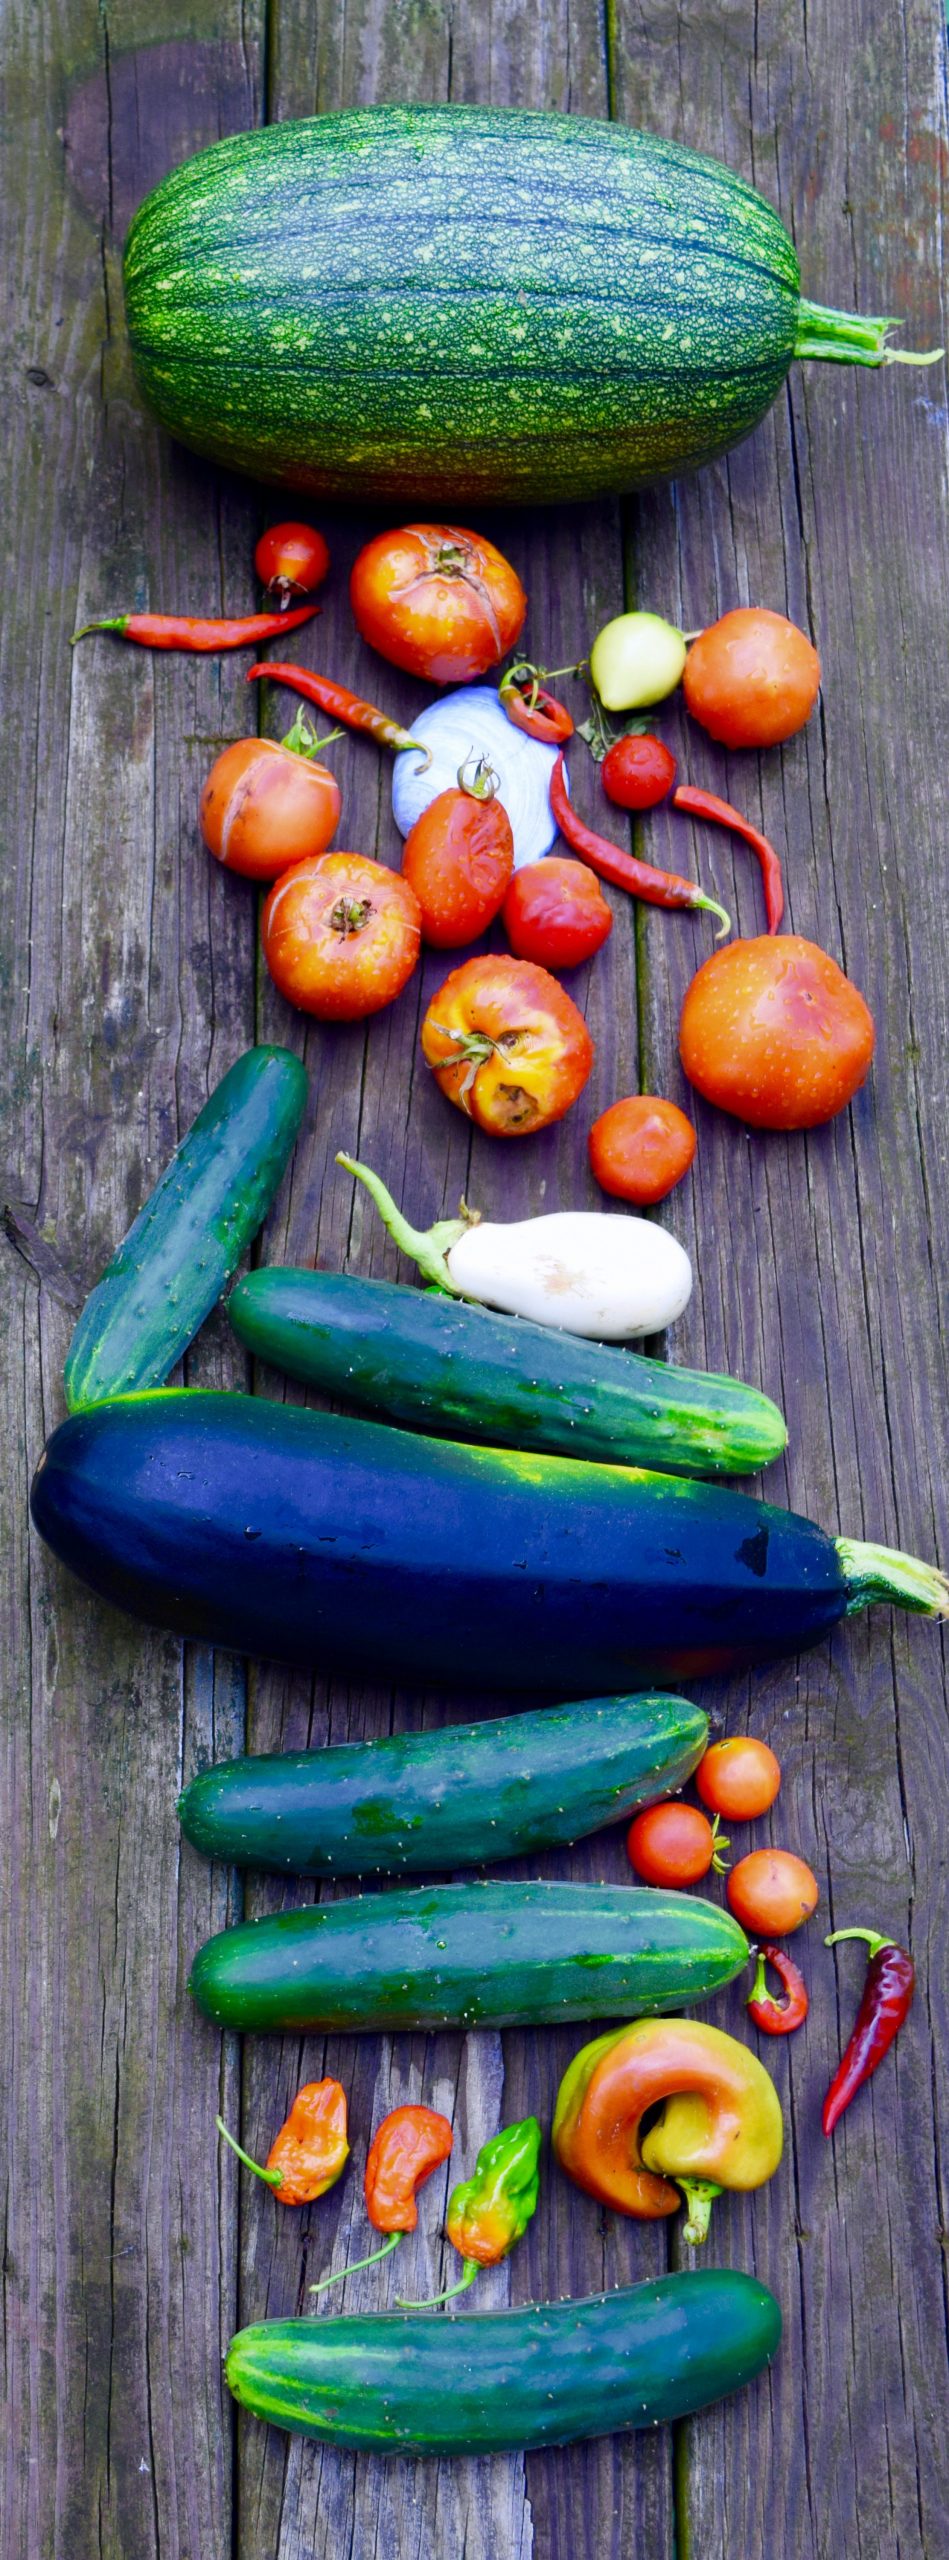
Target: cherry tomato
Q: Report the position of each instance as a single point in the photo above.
(263, 807)
(772, 1031)
(555, 912)
(438, 600)
(459, 857)
(638, 772)
(341, 935)
(752, 678)
(772, 1891)
(673, 1844)
(739, 1778)
(507, 1044)
(291, 560)
(639, 1149)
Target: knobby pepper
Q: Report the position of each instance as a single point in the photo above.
(720, 2122)
(777, 2017)
(719, 813)
(311, 2148)
(489, 2212)
(188, 631)
(409, 2144)
(339, 703)
(887, 1997)
(659, 888)
(522, 691)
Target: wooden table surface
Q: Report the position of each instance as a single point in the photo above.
(131, 977)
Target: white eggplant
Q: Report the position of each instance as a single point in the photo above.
(583, 1271)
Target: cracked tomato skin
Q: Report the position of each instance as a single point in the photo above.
(772, 1031)
(264, 807)
(341, 935)
(458, 858)
(438, 600)
(507, 1044)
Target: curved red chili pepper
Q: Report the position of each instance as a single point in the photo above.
(777, 2017)
(886, 1999)
(531, 708)
(337, 700)
(187, 631)
(659, 888)
(719, 813)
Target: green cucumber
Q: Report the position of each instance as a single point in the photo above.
(491, 2381)
(188, 1239)
(447, 301)
(469, 1955)
(458, 1798)
(442, 1365)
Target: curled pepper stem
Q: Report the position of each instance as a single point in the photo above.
(429, 1248)
(700, 2194)
(355, 2264)
(271, 2177)
(873, 1938)
(429, 2300)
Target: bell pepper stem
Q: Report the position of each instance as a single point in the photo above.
(700, 2194)
(873, 1938)
(356, 2263)
(429, 2300)
(429, 1249)
(271, 2177)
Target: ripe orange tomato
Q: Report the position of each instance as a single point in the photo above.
(739, 1778)
(752, 678)
(459, 857)
(438, 600)
(290, 560)
(672, 1844)
(263, 807)
(555, 912)
(507, 1044)
(772, 1891)
(639, 1149)
(341, 935)
(772, 1031)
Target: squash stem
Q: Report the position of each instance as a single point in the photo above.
(883, 1573)
(846, 337)
(429, 1249)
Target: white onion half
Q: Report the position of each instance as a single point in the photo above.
(472, 722)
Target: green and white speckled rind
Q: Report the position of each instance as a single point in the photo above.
(458, 302)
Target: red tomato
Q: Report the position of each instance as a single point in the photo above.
(438, 600)
(459, 857)
(507, 1044)
(639, 1149)
(290, 560)
(341, 935)
(772, 1891)
(739, 1778)
(264, 807)
(672, 1844)
(752, 678)
(638, 772)
(555, 912)
(772, 1031)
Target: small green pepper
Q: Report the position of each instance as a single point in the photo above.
(489, 2212)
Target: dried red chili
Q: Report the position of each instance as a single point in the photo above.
(777, 2017)
(719, 813)
(337, 700)
(188, 631)
(659, 888)
(886, 1999)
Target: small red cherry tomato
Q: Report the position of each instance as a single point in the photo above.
(673, 1844)
(341, 935)
(752, 678)
(555, 912)
(640, 1148)
(739, 1778)
(459, 857)
(291, 560)
(264, 806)
(507, 1044)
(772, 1031)
(772, 1891)
(638, 772)
(438, 600)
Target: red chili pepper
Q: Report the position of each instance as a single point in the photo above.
(719, 813)
(531, 707)
(659, 888)
(337, 700)
(885, 2001)
(185, 631)
(777, 2017)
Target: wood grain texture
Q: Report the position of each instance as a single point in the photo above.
(130, 969)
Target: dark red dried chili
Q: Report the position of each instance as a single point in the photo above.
(887, 1996)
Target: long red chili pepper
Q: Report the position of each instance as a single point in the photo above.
(719, 813)
(886, 1998)
(777, 2017)
(340, 703)
(186, 631)
(659, 888)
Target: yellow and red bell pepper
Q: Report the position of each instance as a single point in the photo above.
(720, 2123)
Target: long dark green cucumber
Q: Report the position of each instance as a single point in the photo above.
(490, 2381)
(350, 1544)
(469, 1955)
(441, 1365)
(466, 301)
(188, 1239)
(457, 1798)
